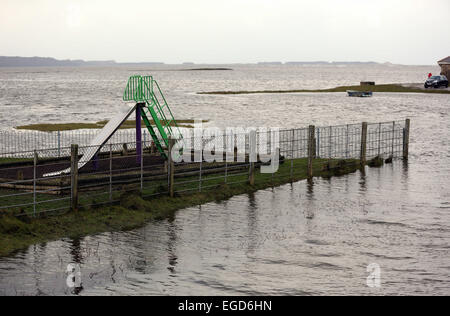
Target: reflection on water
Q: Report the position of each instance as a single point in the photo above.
(301, 238)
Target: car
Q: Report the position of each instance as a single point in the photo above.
(436, 82)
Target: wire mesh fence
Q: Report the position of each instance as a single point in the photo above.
(21, 143)
(47, 181)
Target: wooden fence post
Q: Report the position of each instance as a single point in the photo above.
(171, 168)
(311, 150)
(406, 139)
(363, 157)
(74, 177)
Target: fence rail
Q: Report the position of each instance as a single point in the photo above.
(118, 168)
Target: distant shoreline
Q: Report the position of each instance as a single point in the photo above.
(206, 69)
(399, 88)
(23, 62)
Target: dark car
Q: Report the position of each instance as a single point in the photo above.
(436, 82)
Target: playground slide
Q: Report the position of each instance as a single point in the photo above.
(99, 141)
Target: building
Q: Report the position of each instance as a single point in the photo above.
(445, 66)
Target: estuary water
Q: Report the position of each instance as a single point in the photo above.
(297, 239)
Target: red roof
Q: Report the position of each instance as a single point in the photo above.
(444, 61)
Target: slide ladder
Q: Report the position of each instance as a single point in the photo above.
(145, 91)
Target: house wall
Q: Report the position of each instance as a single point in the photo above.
(445, 70)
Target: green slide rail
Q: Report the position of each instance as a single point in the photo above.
(144, 89)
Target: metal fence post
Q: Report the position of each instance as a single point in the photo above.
(330, 149)
(379, 139)
(393, 139)
(347, 142)
(110, 172)
(171, 167)
(318, 142)
(406, 139)
(252, 157)
(363, 144)
(200, 174)
(226, 155)
(59, 144)
(311, 134)
(74, 177)
(292, 155)
(34, 182)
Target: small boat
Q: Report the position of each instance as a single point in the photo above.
(359, 94)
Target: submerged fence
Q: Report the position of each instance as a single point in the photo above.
(30, 183)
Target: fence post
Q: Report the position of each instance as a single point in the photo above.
(379, 139)
(347, 142)
(292, 155)
(59, 144)
(318, 143)
(171, 167)
(363, 144)
(225, 136)
(74, 177)
(252, 157)
(406, 139)
(314, 147)
(110, 172)
(34, 182)
(393, 139)
(200, 174)
(330, 149)
(311, 134)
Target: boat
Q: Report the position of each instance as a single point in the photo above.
(360, 94)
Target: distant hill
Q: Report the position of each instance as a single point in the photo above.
(307, 63)
(332, 63)
(270, 63)
(52, 62)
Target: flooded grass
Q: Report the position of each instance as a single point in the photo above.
(133, 209)
(186, 123)
(14, 160)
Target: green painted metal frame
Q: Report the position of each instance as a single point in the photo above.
(141, 89)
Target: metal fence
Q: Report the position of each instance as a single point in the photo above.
(30, 184)
(21, 143)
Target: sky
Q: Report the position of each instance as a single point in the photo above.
(413, 32)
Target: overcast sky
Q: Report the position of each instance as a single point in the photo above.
(227, 31)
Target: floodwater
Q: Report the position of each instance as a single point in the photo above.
(299, 239)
